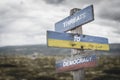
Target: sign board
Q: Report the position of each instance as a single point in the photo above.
(75, 41)
(81, 17)
(75, 63)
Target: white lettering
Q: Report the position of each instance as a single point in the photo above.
(77, 61)
(74, 20)
(77, 38)
(65, 63)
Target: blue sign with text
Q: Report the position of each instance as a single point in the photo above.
(76, 37)
(81, 17)
(76, 41)
(75, 63)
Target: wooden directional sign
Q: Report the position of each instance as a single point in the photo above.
(75, 63)
(81, 17)
(75, 41)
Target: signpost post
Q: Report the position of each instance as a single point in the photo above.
(76, 41)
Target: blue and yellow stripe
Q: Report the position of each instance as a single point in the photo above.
(65, 40)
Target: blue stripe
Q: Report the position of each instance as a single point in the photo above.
(59, 36)
(86, 38)
(70, 37)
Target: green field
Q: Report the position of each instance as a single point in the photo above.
(43, 68)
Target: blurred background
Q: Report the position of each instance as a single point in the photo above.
(24, 54)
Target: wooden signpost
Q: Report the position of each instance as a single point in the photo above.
(76, 41)
(80, 73)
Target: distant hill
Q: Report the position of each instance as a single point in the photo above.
(114, 49)
(43, 49)
(30, 49)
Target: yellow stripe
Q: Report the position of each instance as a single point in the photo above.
(77, 45)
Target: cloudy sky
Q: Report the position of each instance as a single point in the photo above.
(25, 22)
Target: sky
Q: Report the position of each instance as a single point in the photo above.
(25, 22)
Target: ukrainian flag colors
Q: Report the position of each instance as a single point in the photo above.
(66, 40)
